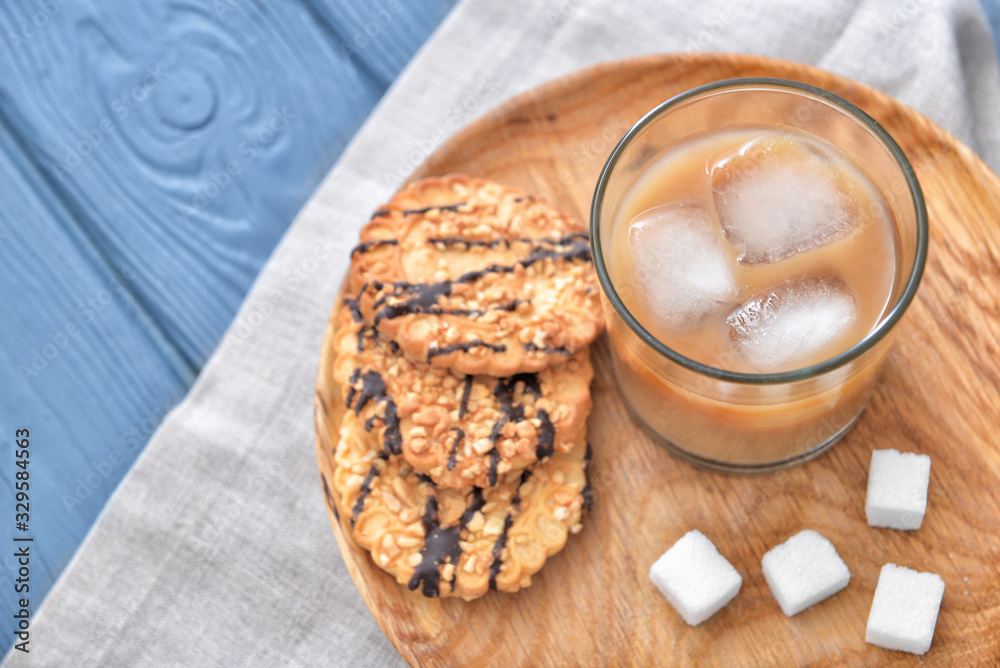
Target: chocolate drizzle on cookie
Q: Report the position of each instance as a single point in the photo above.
(556, 350)
(373, 389)
(579, 249)
(512, 306)
(504, 392)
(420, 298)
(410, 212)
(573, 247)
(442, 207)
(546, 436)
(498, 549)
(447, 242)
(463, 406)
(464, 346)
(446, 207)
(511, 412)
(414, 298)
(363, 330)
(375, 243)
(494, 466)
(515, 501)
(366, 489)
(441, 544)
(354, 309)
(587, 493)
(453, 455)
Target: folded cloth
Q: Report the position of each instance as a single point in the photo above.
(216, 549)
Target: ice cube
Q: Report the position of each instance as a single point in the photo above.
(779, 196)
(788, 326)
(681, 267)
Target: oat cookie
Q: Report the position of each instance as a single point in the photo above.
(460, 430)
(475, 276)
(456, 542)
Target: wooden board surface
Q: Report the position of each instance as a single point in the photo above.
(120, 221)
(593, 604)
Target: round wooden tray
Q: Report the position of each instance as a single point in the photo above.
(593, 603)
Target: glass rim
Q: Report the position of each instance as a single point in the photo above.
(884, 326)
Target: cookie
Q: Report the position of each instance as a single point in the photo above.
(459, 429)
(456, 541)
(478, 277)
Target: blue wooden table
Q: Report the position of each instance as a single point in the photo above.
(151, 156)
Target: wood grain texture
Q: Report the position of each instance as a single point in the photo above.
(151, 156)
(172, 144)
(593, 604)
(79, 368)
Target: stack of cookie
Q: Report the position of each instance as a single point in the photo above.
(461, 354)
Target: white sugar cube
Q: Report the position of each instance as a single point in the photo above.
(905, 609)
(695, 578)
(803, 571)
(897, 489)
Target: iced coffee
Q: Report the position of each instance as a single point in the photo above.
(751, 272)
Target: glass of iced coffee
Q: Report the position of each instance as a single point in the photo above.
(757, 242)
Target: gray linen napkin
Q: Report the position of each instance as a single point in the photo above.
(216, 549)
